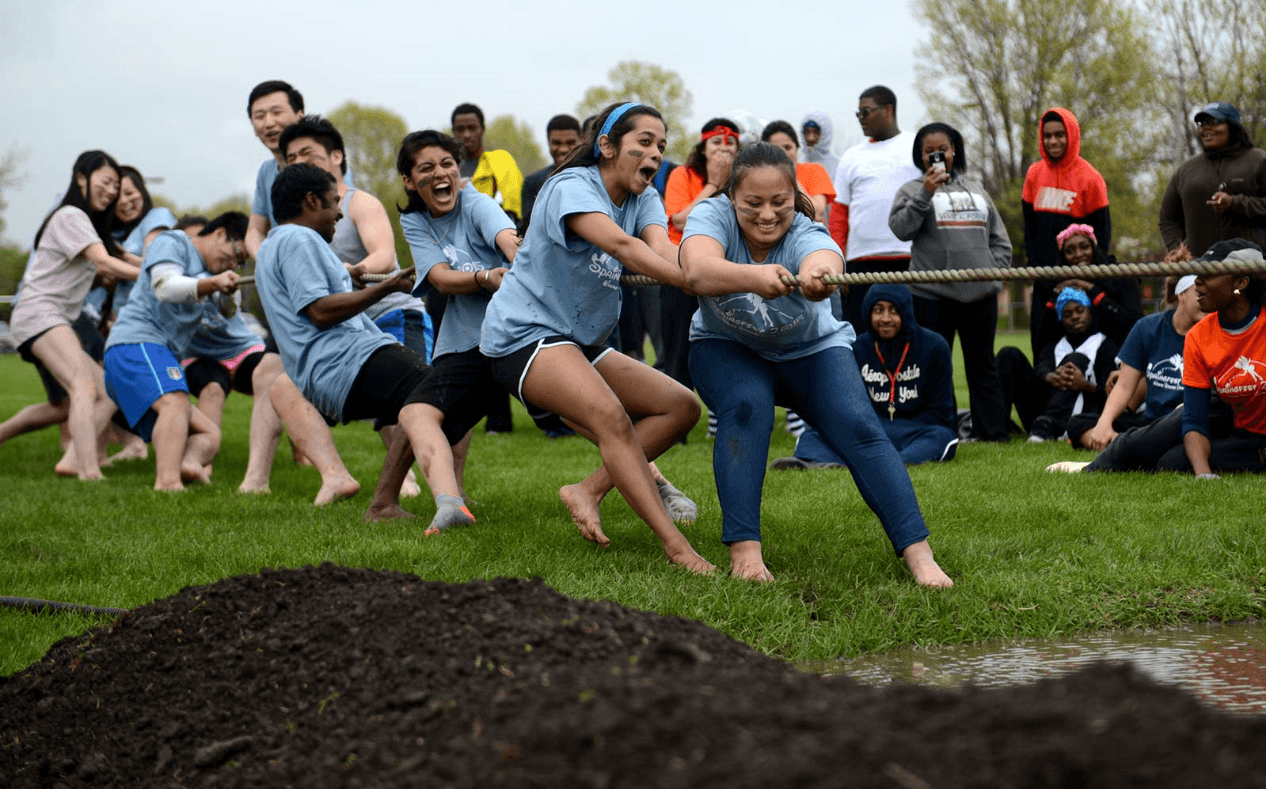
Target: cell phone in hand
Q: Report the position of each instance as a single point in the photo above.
(936, 161)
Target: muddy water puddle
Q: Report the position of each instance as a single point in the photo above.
(1225, 665)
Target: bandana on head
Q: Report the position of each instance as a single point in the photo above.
(1070, 294)
(720, 131)
(1184, 283)
(1076, 230)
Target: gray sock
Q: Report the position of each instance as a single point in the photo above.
(449, 511)
(679, 506)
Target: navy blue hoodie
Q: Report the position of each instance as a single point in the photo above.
(925, 383)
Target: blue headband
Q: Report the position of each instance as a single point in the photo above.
(611, 119)
(1070, 294)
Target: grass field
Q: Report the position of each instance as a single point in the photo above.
(1032, 554)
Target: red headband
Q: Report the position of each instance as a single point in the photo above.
(720, 131)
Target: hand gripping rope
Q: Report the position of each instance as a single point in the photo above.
(1093, 271)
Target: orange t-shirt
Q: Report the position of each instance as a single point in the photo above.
(813, 177)
(1233, 365)
(683, 186)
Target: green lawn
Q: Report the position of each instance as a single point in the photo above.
(1032, 554)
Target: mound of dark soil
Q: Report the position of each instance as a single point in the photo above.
(336, 677)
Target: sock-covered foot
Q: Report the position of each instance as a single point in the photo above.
(679, 506)
(449, 511)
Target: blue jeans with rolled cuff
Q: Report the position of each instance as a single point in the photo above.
(742, 388)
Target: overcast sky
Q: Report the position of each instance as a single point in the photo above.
(163, 86)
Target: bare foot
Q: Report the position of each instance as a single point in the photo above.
(92, 476)
(191, 471)
(585, 512)
(138, 450)
(342, 488)
(297, 455)
(252, 487)
(692, 561)
(410, 486)
(747, 562)
(65, 467)
(925, 569)
(169, 487)
(386, 512)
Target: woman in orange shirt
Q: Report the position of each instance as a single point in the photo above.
(705, 174)
(811, 177)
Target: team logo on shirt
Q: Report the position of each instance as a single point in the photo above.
(752, 315)
(610, 275)
(1242, 382)
(960, 209)
(460, 259)
(1050, 198)
(1166, 374)
(174, 373)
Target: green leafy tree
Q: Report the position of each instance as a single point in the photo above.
(661, 88)
(372, 137)
(235, 202)
(505, 133)
(991, 68)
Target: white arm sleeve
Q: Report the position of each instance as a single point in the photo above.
(172, 286)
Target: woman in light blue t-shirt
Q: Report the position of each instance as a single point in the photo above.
(757, 342)
(546, 326)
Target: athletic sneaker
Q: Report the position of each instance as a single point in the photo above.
(1068, 466)
(679, 506)
(1036, 439)
(712, 425)
(795, 425)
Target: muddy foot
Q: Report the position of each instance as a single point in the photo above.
(392, 511)
(343, 488)
(747, 562)
(585, 512)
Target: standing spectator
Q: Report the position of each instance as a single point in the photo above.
(953, 225)
(495, 174)
(818, 132)
(866, 180)
(705, 174)
(1061, 189)
(811, 178)
(1220, 193)
(562, 134)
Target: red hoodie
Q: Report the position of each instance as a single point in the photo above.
(1063, 193)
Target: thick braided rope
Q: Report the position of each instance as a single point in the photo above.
(1092, 271)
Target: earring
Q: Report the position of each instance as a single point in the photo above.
(1237, 291)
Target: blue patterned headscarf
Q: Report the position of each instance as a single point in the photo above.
(1070, 294)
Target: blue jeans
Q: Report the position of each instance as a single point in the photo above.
(742, 388)
(915, 442)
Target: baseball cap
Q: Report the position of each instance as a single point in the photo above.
(1219, 111)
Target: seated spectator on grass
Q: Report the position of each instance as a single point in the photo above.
(343, 364)
(1117, 302)
(143, 375)
(1224, 369)
(1148, 383)
(908, 373)
(1071, 373)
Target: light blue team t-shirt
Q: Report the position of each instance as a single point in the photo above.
(264, 180)
(295, 268)
(146, 319)
(466, 239)
(135, 243)
(1155, 349)
(781, 329)
(561, 284)
(221, 338)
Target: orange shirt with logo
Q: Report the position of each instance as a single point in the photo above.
(1233, 365)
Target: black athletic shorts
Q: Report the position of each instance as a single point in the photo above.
(390, 379)
(461, 385)
(509, 371)
(90, 339)
(202, 371)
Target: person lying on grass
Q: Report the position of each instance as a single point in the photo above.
(1224, 369)
(143, 375)
(909, 376)
(347, 367)
(756, 343)
(546, 325)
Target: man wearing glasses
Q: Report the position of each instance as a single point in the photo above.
(866, 181)
(1220, 193)
(143, 375)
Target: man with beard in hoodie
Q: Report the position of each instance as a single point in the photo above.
(1220, 193)
(908, 373)
(1060, 189)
